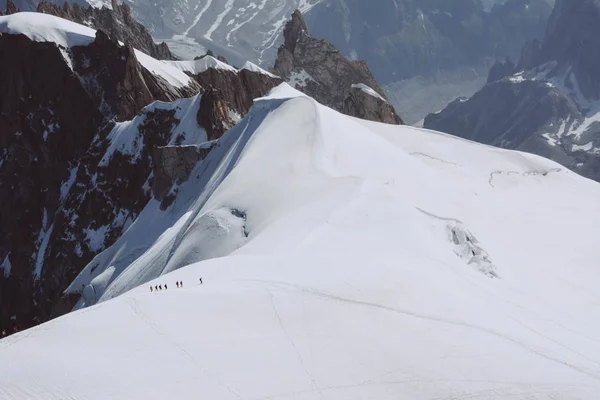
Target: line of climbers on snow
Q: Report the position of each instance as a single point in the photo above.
(157, 288)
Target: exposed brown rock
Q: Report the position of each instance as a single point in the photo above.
(238, 89)
(173, 165)
(317, 68)
(125, 85)
(366, 106)
(294, 30)
(47, 120)
(214, 114)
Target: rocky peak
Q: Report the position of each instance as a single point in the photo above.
(11, 8)
(117, 21)
(318, 69)
(214, 114)
(294, 29)
(237, 88)
(172, 165)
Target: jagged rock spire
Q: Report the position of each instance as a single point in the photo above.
(11, 8)
(318, 69)
(294, 29)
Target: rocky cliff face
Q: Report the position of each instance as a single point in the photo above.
(237, 87)
(57, 111)
(117, 22)
(85, 145)
(318, 69)
(548, 104)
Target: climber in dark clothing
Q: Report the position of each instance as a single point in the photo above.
(201, 281)
(165, 286)
(176, 283)
(156, 287)
(159, 287)
(180, 283)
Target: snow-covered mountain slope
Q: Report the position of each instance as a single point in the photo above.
(359, 260)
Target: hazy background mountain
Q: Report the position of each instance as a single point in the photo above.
(549, 103)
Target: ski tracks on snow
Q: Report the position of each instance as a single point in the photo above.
(144, 318)
(528, 173)
(293, 344)
(428, 317)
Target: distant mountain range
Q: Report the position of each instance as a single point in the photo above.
(549, 102)
(424, 53)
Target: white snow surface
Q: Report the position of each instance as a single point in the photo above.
(368, 90)
(255, 68)
(49, 28)
(199, 66)
(336, 265)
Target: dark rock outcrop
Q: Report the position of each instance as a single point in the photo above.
(318, 69)
(62, 199)
(501, 70)
(363, 102)
(173, 165)
(238, 88)
(46, 125)
(214, 114)
(120, 82)
(117, 22)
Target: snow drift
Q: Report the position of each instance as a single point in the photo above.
(341, 259)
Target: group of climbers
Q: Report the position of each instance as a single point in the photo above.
(158, 287)
(179, 284)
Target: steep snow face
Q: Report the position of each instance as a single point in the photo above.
(48, 28)
(360, 260)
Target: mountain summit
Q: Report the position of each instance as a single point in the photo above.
(318, 69)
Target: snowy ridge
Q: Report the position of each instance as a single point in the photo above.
(208, 62)
(198, 66)
(353, 260)
(368, 90)
(255, 68)
(48, 28)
